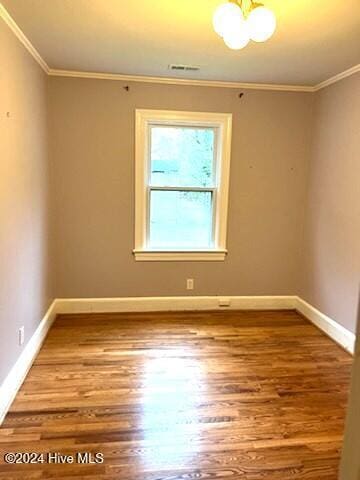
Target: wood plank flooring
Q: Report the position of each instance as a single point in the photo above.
(182, 396)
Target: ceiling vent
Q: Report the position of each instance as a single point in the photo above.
(183, 68)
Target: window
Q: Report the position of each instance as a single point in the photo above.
(182, 177)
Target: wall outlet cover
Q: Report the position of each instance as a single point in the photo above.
(21, 335)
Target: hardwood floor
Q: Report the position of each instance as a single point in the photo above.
(182, 396)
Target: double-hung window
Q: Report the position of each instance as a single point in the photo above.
(182, 179)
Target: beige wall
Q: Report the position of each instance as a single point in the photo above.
(24, 281)
(92, 153)
(332, 231)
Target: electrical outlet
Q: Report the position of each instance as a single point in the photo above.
(224, 302)
(190, 284)
(21, 335)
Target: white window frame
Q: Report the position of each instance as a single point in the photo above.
(222, 122)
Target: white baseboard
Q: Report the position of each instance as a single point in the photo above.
(17, 374)
(15, 378)
(333, 329)
(156, 304)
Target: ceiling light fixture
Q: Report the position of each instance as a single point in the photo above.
(239, 21)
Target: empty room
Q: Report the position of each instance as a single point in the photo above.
(179, 240)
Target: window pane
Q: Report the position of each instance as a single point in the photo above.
(182, 156)
(180, 219)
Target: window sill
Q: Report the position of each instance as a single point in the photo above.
(180, 256)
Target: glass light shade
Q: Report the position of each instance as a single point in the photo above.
(226, 18)
(261, 23)
(239, 38)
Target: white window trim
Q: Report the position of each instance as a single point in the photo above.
(221, 121)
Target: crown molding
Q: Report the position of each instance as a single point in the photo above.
(338, 77)
(205, 83)
(5, 15)
(179, 81)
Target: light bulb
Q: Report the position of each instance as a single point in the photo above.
(227, 17)
(239, 38)
(262, 24)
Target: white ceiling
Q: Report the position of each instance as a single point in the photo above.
(314, 41)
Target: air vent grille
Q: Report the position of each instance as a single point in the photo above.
(183, 68)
